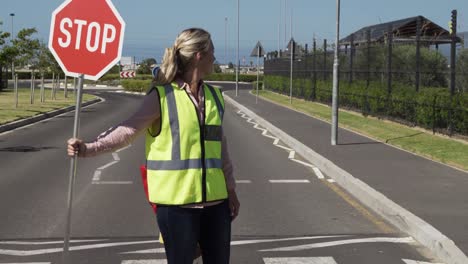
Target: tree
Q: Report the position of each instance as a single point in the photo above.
(3, 55)
(146, 66)
(230, 65)
(26, 46)
(217, 68)
(462, 71)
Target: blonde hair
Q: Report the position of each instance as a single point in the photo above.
(178, 57)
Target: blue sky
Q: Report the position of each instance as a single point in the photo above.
(153, 24)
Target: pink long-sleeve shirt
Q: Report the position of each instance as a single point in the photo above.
(147, 116)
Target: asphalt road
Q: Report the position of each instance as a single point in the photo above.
(288, 214)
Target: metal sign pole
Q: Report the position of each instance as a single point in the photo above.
(258, 78)
(16, 89)
(73, 164)
(334, 132)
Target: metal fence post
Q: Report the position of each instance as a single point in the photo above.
(351, 57)
(418, 52)
(324, 59)
(389, 58)
(314, 69)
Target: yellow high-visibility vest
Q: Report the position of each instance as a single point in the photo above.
(183, 161)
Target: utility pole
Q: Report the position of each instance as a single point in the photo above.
(237, 55)
(11, 40)
(225, 40)
(334, 132)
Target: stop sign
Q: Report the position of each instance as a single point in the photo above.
(86, 37)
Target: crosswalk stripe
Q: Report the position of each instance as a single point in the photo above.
(310, 260)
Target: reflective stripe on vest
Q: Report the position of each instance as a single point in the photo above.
(185, 166)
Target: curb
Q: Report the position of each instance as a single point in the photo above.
(439, 244)
(40, 117)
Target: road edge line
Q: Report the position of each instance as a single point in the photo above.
(440, 245)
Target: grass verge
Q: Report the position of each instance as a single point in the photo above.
(8, 112)
(440, 148)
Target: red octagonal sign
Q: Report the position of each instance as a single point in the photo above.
(86, 37)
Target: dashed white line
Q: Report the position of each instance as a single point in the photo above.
(289, 181)
(301, 260)
(112, 182)
(243, 181)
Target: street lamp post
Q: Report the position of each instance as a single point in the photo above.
(334, 132)
(237, 55)
(11, 40)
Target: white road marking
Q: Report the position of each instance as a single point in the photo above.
(307, 260)
(124, 148)
(112, 182)
(98, 171)
(289, 181)
(283, 147)
(405, 240)
(48, 242)
(243, 181)
(97, 175)
(303, 163)
(28, 263)
(145, 261)
(108, 165)
(12, 252)
(318, 173)
(292, 153)
(331, 180)
(146, 251)
(246, 242)
(409, 261)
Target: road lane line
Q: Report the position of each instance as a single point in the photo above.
(107, 165)
(291, 154)
(97, 175)
(243, 181)
(409, 261)
(47, 242)
(145, 261)
(318, 173)
(302, 260)
(112, 182)
(116, 156)
(303, 163)
(289, 181)
(403, 240)
(256, 241)
(283, 147)
(146, 251)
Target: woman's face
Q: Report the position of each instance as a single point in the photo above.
(207, 60)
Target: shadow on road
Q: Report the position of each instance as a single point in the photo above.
(358, 143)
(25, 149)
(388, 140)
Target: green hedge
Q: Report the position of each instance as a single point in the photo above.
(231, 77)
(431, 108)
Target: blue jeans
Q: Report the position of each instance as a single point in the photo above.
(183, 228)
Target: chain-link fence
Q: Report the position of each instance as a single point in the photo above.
(409, 82)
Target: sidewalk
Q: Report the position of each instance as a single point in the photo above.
(430, 191)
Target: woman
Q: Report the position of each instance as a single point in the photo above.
(188, 165)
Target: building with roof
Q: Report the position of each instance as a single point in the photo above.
(403, 30)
